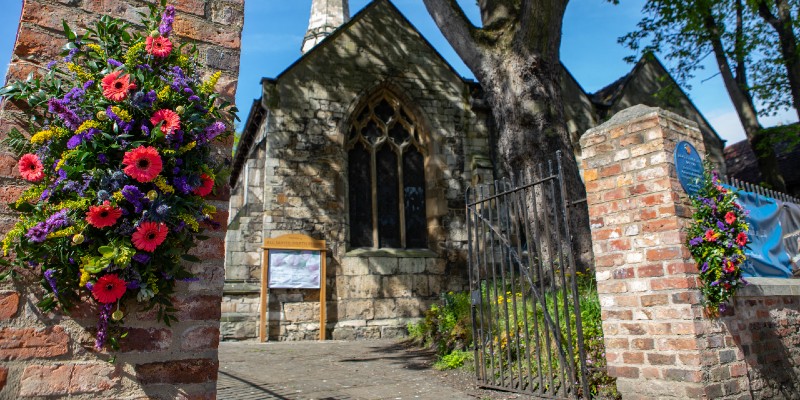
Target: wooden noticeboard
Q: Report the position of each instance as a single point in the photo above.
(293, 261)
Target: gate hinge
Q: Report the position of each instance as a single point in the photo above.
(475, 297)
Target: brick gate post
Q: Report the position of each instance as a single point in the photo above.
(658, 342)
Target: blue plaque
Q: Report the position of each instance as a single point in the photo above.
(689, 167)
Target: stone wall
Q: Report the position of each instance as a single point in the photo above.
(51, 354)
(297, 169)
(659, 341)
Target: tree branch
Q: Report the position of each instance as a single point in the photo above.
(458, 31)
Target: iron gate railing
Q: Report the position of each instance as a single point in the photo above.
(526, 317)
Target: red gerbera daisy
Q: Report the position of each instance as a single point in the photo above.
(158, 46)
(172, 121)
(109, 288)
(142, 163)
(103, 216)
(730, 217)
(149, 235)
(31, 168)
(116, 87)
(205, 188)
(741, 239)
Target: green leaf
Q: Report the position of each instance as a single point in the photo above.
(106, 251)
(190, 258)
(68, 32)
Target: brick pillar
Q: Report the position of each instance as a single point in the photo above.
(658, 343)
(52, 355)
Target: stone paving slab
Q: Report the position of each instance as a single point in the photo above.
(330, 370)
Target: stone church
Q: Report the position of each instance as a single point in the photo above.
(368, 141)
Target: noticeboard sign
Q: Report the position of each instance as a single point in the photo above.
(294, 269)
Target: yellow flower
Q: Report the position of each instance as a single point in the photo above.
(121, 113)
(87, 125)
(161, 184)
(82, 73)
(189, 220)
(132, 55)
(188, 147)
(42, 136)
(84, 278)
(118, 196)
(209, 209)
(163, 94)
(95, 47)
(208, 86)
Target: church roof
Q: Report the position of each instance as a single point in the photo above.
(251, 125)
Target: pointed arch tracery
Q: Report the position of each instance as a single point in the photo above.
(386, 176)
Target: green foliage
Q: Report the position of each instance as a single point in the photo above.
(447, 328)
(456, 359)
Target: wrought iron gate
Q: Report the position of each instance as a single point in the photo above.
(526, 318)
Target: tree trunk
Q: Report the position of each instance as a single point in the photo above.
(515, 57)
(782, 24)
(743, 103)
(525, 98)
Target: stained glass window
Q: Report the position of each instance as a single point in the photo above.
(386, 177)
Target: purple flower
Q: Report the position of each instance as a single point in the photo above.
(181, 184)
(52, 64)
(715, 283)
(134, 196)
(166, 21)
(37, 233)
(696, 241)
(125, 126)
(133, 285)
(114, 63)
(58, 220)
(141, 258)
(48, 275)
(723, 307)
(45, 195)
(71, 54)
(63, 111)
(145, 130)
(102, 158)
(705, 267)
(88, 84)
(211, 131)
(194, 98)
(102, 325)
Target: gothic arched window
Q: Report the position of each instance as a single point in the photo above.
(386, 174)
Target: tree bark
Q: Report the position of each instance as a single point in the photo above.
(743, 103)
(515, 57)
(782, 24)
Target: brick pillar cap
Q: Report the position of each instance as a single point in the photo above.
(639, 111)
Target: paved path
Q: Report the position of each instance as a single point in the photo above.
(330, 370)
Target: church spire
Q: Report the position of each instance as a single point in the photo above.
(326, 17)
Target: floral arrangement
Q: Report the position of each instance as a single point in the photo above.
(119, 162)
(717, 238)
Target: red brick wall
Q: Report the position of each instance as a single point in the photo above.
(53, 355)
(659, 342)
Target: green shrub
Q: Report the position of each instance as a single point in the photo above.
(454, 360)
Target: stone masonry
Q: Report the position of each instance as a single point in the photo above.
(52, 355)
(659, 341)
(293, 179)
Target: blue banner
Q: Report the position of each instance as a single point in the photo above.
(771, 234)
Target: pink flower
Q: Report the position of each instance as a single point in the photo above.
(741, 239)
(172, 121)
(31, 168)
(149, 235)
(158, 46)
(109, 288)
(142, 163)
(205, 188)
(103, 216)
(711, 236)
(730, 218)
(115, 87)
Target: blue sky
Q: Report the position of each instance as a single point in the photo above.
(274, 30)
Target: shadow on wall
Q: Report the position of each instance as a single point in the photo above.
(765, 330)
